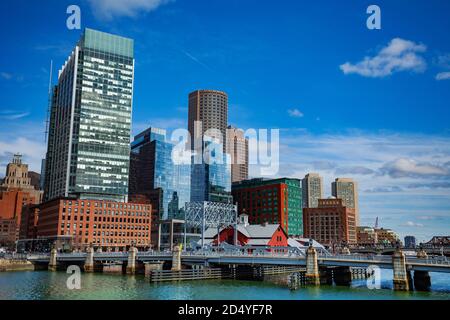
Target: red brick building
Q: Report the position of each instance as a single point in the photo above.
(275, 201)
(105, 224)
(330, 223)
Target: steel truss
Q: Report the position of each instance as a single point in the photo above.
(205, 214)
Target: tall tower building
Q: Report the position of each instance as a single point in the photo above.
(347, 190)
(152, 167)
(210, 107)
(312, 190)
(237, 148)
(88, 150)
(211, 177)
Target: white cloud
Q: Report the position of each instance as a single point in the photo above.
(398, 55)
(443, 76)
(409, 168)
(109, 9)
(13, 115)
(6, 75)
(295, 113)
(412, 224)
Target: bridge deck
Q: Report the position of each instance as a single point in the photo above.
(430, 264)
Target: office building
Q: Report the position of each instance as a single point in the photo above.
(16, 194)
(89, 128)
(211, 179)
(387, 237)
(331, 223)
(237, 148)
(100, 223)
(366, 236)
(347, 190)
(275, 201)
(152, 167)
(210, 107)
(312, 190)
(410, 242)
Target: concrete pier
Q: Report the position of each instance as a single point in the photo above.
(152, 266)
(176, 259)
(312, 267)
(89, 262)
(115, 268)
(400, 279)
(53, 263)
(132, 255)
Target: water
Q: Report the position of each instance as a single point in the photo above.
(43, 285)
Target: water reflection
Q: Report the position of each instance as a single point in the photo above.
(45, 285)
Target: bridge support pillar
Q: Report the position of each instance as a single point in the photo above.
(132, 255)
(53, 263)
(89, 262)
(400, 281)
(176, 258)
(422, 280)
(312, 267)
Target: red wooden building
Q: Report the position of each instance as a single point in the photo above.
(272, 235)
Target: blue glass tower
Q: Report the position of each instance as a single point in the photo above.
(211, 179)
(152, 168)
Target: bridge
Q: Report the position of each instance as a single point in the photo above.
(390, 250)
(317, 264)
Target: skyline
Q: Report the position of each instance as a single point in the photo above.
(402, 163)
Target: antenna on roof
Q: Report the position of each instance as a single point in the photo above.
(49, 105)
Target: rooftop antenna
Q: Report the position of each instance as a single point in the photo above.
(49, 105)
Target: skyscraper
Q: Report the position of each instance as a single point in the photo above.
(210, 107)
(237, 148)
(89, 133)
(211, 165)
(211, 179)
(312, 190)
(347, 190)
(152, 168)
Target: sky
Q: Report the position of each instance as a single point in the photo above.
(372, 105)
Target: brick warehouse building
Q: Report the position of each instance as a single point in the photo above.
(104, 224)
(330, 223)
(277, 201)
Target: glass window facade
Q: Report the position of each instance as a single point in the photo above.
(211, 180)
(89, 136)
(152, 167)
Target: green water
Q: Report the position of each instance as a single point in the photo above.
(43, 285)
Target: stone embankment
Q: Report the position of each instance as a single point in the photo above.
(15, 265)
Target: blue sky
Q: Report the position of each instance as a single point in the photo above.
(350, 102)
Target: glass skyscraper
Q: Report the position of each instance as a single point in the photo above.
(152, 168)
(90, 119)
(211, 179)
